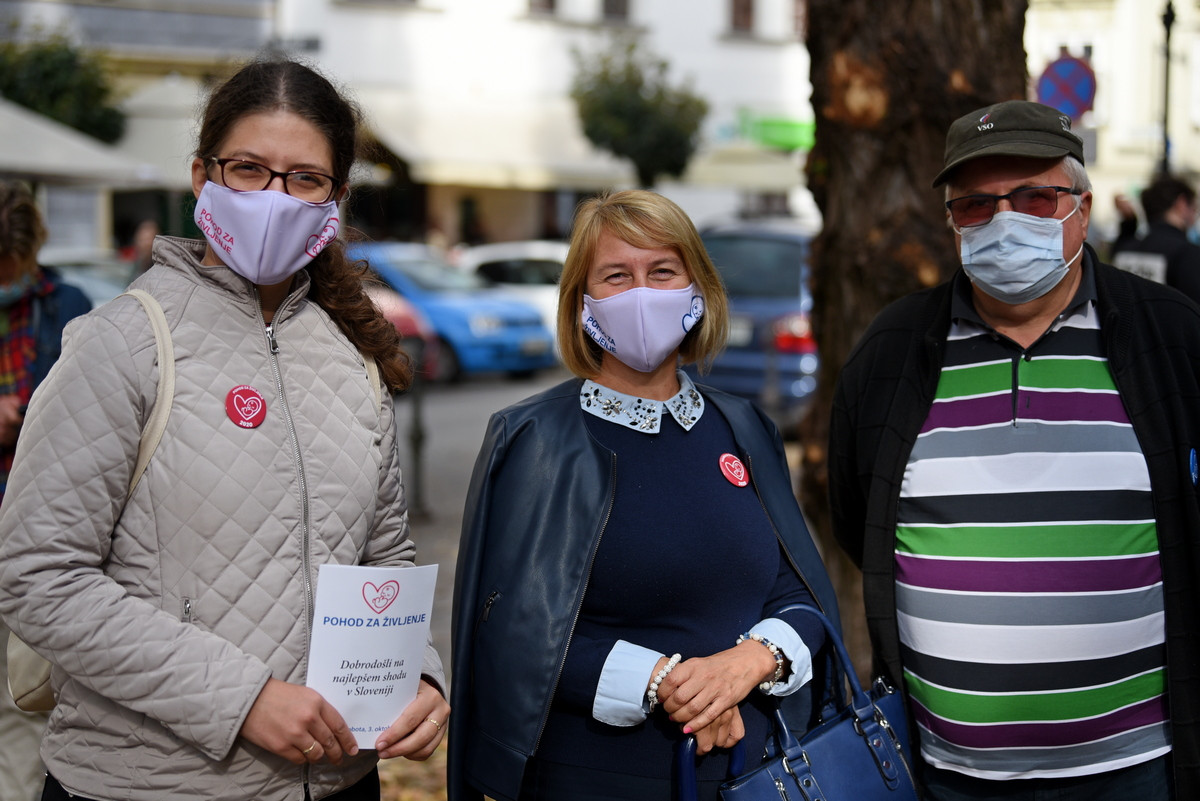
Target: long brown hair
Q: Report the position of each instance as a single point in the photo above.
(336, 282)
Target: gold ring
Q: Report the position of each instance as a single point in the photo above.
(435, 723)
(306, 751)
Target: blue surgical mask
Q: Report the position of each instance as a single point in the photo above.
(11, 293)
(1016, 257)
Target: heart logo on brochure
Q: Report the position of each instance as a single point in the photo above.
(246, 406)
(381, 597)
(733, 470)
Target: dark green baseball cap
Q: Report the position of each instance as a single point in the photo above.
(1011, 128)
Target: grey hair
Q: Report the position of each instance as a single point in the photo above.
(1077, 173)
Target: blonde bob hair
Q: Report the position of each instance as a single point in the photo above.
(645, 220)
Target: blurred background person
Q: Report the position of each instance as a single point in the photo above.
(141, 248)
(34, 307)
(1166, 253)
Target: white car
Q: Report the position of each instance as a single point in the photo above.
(528, 270)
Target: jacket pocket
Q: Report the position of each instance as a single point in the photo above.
(486, 610)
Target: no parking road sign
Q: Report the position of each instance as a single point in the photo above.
(1069, 85)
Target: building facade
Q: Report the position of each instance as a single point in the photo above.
(1123, 42)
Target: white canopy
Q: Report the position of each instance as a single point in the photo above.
(745, 165)
(161, 125)
(498, 144)
(36, 148)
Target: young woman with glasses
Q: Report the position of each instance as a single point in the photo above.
(178, 614)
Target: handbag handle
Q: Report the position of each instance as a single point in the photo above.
(860, 700)
(685, 766)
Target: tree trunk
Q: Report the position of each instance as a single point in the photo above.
(888, 76)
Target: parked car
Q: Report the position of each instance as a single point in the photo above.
(99, 275)
(770, 356)
(527, 269)
(478, 329)
(417, 336)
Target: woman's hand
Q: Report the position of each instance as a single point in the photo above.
(724, 732)
(420, 727)
(701, 689)
(298, 724)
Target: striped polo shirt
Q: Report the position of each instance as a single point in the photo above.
(1028, 584)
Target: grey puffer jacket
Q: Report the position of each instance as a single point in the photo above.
(166, 613)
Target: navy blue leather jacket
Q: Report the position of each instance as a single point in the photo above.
(537, 505)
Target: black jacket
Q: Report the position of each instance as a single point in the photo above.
(1178, 257)
(537, 505)
(1152, 341)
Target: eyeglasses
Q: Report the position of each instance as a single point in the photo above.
(1038, 201)
(250, 176)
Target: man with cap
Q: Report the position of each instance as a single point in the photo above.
(1013, 465)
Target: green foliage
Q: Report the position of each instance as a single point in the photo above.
(53, 77)
(627, 108)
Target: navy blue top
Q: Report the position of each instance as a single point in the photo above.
(686, 563)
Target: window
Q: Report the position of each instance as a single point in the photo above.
(742, 18)
(616, 10)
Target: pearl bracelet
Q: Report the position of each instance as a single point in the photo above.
(652, 693)
(775, 652)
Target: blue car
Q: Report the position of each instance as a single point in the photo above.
(770, 356)
(479, 330)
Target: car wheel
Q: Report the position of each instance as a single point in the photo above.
(447, 367)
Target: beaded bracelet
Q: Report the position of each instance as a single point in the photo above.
(652, 693)
(775, 652)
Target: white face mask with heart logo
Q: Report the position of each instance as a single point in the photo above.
(265, 236)
(642, 326)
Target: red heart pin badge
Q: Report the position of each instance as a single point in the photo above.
(246, 406)
(733, 470)
(381, 597)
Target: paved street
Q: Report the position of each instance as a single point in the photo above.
(455, 416)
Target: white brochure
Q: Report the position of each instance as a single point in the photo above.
(369, 633)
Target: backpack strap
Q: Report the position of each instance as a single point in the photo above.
(373, 376)
(157, 423)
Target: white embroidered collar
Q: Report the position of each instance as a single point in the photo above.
(641, 414)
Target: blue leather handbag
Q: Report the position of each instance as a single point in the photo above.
(858, 752)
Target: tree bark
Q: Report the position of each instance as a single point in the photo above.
(888, 76)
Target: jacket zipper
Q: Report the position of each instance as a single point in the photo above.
(778, 538)
(298, 461)
(587, 577)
